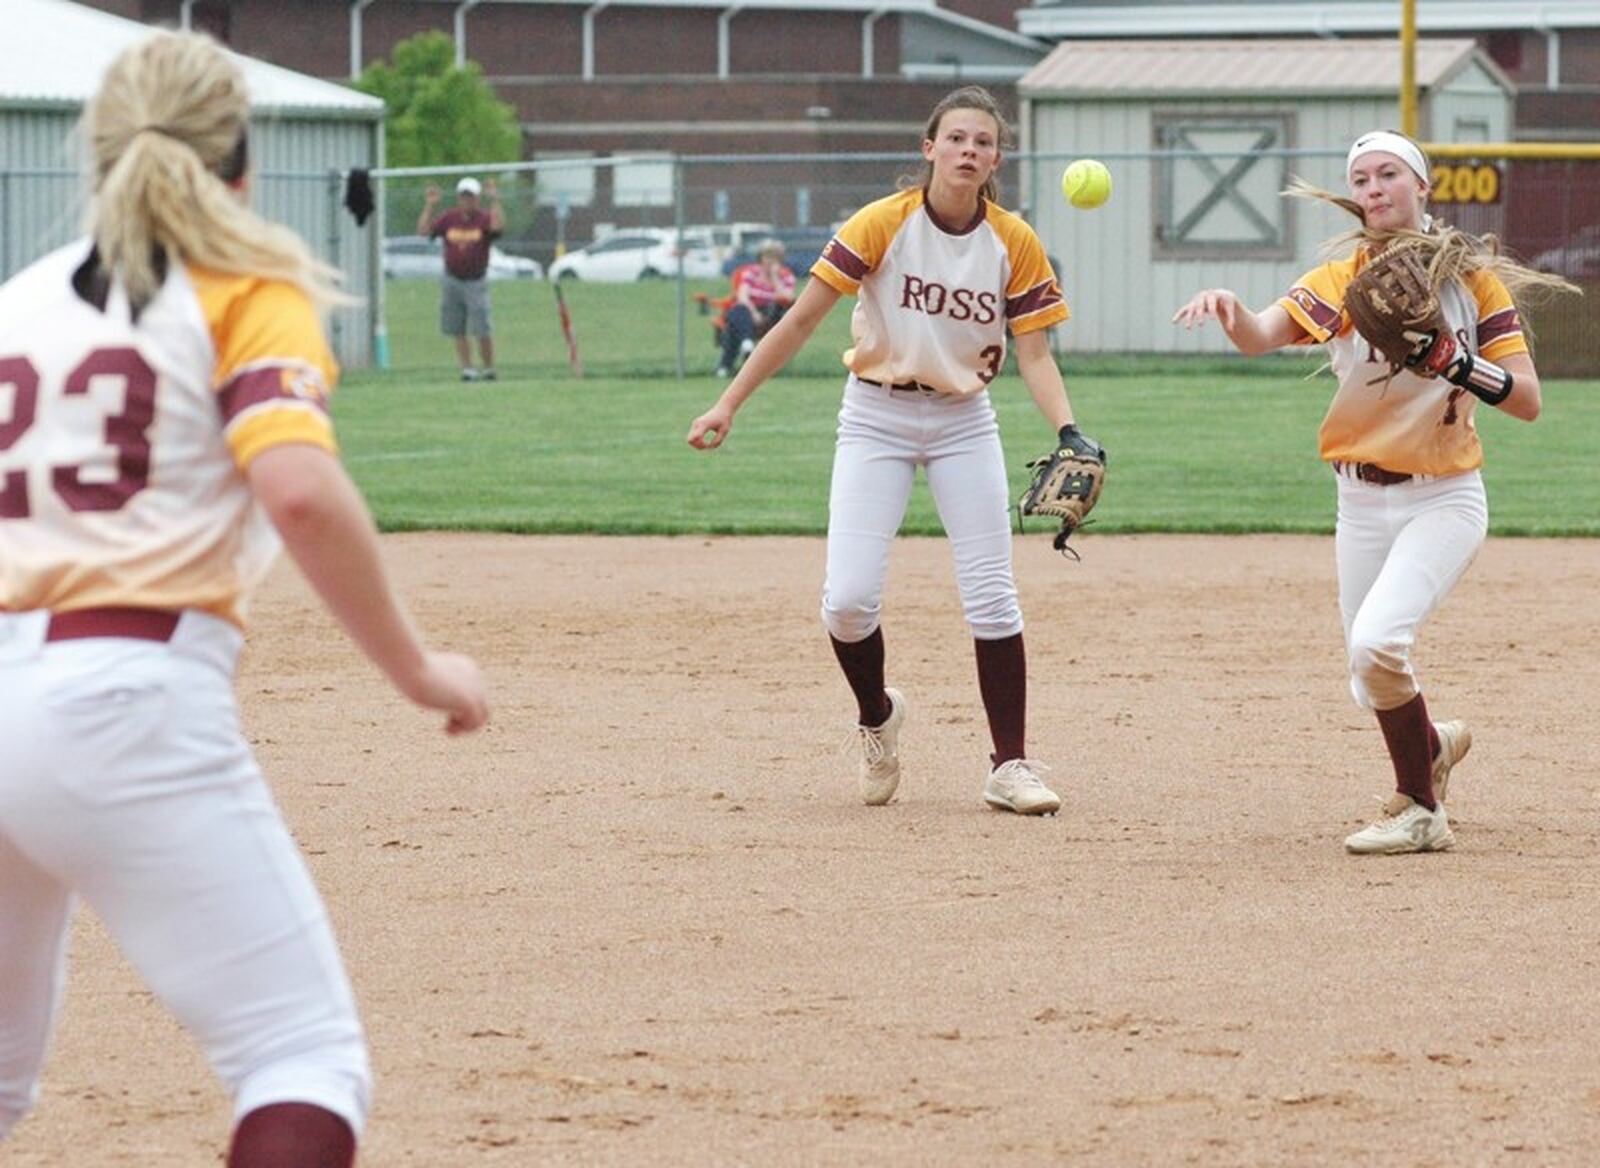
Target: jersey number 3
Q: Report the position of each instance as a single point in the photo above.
(126, 432)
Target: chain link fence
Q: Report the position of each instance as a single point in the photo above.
(1177, 221)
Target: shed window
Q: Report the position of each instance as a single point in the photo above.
(1218, 184)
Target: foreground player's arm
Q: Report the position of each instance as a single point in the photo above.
(772, 354)
(1042, 376)
(1252, 333)
(1525, 400)
(328, 531)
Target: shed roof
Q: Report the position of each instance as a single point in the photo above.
(54, 53)
(1302, 68)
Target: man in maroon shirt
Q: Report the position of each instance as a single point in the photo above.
(467, 230)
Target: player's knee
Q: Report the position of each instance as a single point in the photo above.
(1381, 672)
(850, 619)
(333, 1072)
(993, 613)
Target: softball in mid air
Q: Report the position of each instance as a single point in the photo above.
(1086, 183)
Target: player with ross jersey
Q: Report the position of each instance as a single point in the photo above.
(940, 273)
(167, 427)
(1404, 447)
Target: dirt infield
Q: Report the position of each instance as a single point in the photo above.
(643, 920)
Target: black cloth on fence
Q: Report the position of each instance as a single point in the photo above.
(358, 195)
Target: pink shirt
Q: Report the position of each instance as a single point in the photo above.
(762, 291)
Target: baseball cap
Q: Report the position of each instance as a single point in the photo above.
(469, 186)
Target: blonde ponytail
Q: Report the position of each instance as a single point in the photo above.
(170, 118)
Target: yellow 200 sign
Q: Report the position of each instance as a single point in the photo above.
(1466, 182)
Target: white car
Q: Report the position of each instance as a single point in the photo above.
(640, 253)
(417, 255)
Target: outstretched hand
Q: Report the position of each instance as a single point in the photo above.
(1214, 303)
(708, 430)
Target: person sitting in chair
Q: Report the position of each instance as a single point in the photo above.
(762, 293)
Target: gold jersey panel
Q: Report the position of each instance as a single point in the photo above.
(123, 441)
(1408, 423)
(934, 303)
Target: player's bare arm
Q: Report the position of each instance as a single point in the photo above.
(1252, 333)
(776, 349)
(1524, 401)
(430, 203)
(1042, 376)
(326, 528)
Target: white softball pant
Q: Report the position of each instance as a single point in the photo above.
(1400, 551)
(126, 780)
(884, 435)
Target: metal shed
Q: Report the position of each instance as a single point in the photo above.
(1201, 138)
(305, 132)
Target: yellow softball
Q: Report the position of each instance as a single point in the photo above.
(1086, 183)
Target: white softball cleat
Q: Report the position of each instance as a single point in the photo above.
(1406, 826)
(1454, 742)
(1015, 785)
(880, 753)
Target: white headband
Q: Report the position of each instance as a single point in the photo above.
(1388, 142)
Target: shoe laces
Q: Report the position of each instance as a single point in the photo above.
(1023, 772)
(867, 739)
(1393, 808)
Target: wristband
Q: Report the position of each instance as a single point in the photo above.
(1480, 377)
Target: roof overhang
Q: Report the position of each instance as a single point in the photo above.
(1056, 22)
(54, 53)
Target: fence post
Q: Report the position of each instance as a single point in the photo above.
(5, 224)
(678, 217)
(335, 198)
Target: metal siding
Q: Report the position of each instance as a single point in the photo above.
(297, 159)
(1123, 298)
(42, 203)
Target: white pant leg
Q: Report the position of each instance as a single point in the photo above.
(1400, 550)
(35, 906)
(967, 474)
(874, 465)
(35, 909)
(152, 807)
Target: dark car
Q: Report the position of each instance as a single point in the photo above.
(801, 247)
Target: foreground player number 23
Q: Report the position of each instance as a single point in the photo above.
(127, 431)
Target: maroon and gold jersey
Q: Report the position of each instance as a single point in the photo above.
(123, 440)
(467, 236)
(934, 300)
(1408, 423)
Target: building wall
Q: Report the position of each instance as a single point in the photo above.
(41, 195)
(1470, 108)
(1122, 292)
(43, 199)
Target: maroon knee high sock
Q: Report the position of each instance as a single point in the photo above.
(1003, 682)
(862, 662)
(1411, 740)
(292, 1135)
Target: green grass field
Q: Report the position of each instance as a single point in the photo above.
(1197, 445)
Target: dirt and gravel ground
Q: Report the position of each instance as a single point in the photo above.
(644, 920)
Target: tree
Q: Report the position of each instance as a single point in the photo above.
(438, 115)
